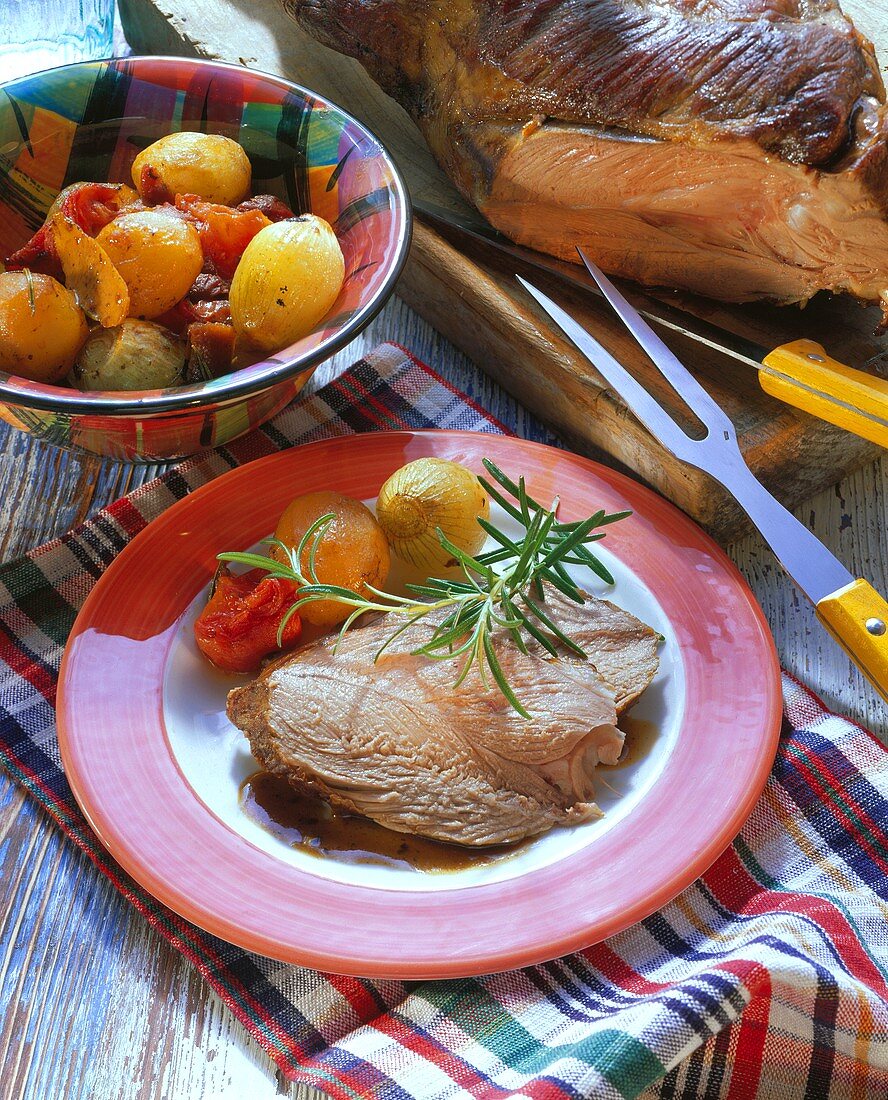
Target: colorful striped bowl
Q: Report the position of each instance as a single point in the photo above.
(89, 121)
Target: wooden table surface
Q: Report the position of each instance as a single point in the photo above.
(95, 1004)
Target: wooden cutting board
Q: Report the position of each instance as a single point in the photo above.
(475, 302)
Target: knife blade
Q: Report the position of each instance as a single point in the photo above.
(800, 373)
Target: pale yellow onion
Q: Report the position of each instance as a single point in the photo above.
(136, 355)
(289, 276)
(425, 495)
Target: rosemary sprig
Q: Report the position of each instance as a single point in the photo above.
(29, 279)
(499, 589)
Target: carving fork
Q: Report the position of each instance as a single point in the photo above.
(851, 609)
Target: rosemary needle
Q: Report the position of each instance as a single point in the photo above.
(499, 590)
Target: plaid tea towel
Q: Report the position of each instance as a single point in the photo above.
(765, 979)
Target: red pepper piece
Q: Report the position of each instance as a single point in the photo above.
(224, 231)
(239, 625)
(91, 206)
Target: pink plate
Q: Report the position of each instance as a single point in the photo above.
(718, 699)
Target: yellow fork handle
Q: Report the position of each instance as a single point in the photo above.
(805, 367)
(857, 617)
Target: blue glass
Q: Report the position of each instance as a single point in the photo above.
(40, 34)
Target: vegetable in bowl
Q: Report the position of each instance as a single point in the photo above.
(41, 326)
(287, 279)
(134, 355)
(211, 166)
(89, 121)
(148, 255)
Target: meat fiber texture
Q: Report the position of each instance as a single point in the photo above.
(735, 148)
(394, 741)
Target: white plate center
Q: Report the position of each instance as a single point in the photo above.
(215, 757)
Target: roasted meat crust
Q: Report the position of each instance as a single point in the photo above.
(735, 148)
(786, 74)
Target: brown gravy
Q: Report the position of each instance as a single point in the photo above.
(311, 825)
(640, 737)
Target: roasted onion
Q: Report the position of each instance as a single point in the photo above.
(136, 355)
(427, 495)
(289, 276)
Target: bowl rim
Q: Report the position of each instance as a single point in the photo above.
(41, 395)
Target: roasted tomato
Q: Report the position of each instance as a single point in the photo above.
(224, 231)
(206, 301)
(210, 351)
(239, 625)
(270, 205)
(90, 206)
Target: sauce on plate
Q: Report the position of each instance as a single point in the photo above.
(314, 827)
(311, 825)
(640, 737)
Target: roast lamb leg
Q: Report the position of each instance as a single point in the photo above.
(735, 148)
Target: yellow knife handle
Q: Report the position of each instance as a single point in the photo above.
(806, 373)
(857, 617)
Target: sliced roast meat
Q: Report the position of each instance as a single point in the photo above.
(394, 741)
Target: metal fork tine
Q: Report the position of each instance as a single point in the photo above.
(645, 407)
(712, 415)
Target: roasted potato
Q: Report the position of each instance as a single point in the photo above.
(157, 254)
(353, 551)
(209, 165)
(41, 326)
(288, 277)
(136, 355)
